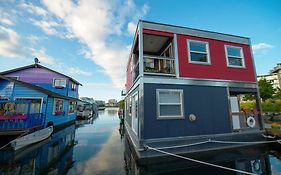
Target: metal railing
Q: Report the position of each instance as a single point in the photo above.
(164, 66)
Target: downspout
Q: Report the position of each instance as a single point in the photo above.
(44, 122)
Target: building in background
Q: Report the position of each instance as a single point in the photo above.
(112, 103)
(100, 103)
(274, 76)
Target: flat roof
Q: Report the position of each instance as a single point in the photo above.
(194, 32)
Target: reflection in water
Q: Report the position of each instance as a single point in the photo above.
(51, 156)
(111, 111)
(254, 160)
(99, 149)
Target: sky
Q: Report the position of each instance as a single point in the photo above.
(90, 40)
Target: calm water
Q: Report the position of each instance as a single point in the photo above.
(97, 147)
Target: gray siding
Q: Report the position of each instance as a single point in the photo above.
(209, 104)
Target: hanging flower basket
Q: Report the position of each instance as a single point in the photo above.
(59, 87)
(59, 113)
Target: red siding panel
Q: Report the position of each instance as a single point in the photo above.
(155, 32)
(218, 68)
(129, 76)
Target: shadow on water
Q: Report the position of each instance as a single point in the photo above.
(100, 146)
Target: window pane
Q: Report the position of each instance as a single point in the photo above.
(169, 97)
(233, 51)
(196, 46)
(170, 110)
(235, 61)
(60, 82)
(200, 57)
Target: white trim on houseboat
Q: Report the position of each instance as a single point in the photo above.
(242, 58)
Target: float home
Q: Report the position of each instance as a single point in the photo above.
(33, 97)
(184, 86)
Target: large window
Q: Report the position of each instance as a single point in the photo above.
(169, 103)
(59, 83)
(71, 107)
(58, 106)
(35, 105)
(198, 52)
(235, 57)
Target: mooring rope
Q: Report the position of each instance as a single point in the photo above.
(236, 142)
(219, 141)
(186, 145)
(199, 161)
(268, 136)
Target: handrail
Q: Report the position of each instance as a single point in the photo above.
(32, 120)
(158, 57)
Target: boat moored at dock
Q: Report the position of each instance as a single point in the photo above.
(35, 100)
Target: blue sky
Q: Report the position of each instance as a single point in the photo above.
(91, 40)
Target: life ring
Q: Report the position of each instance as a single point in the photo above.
(256, 166)
(251, 122)
(9, 106)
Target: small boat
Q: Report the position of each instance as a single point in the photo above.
(32, 138)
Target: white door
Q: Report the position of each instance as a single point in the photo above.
(234, 105)
(135, 120)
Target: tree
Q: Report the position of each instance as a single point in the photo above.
(266, 89)
(249, 97)
(277, 94)
(121, 104)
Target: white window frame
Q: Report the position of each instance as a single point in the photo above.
(135, 112)
(74, 86)
(158, 104)
(59, 79)
(69, 113)
(242, 56)
(54, 105)
(207, 52)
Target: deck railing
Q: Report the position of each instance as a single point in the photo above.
(159, 65)
(21, 122)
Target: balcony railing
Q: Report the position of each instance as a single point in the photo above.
(21, 122)
(156, 65)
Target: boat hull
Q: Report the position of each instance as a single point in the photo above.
(31, 138)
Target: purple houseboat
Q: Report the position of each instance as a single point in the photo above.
(33, 97)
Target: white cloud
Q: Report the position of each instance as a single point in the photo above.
(33, 39)
(42, 56)
(33, 9)
(47, 26)
(10, 43)
(100, 25)
(261, 46)
(11, 46)
(6, 21)
(78, 71)
(132, 28)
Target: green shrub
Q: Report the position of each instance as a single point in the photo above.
(267, 105)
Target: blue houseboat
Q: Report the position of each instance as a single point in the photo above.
(183, 91)
(34, 97)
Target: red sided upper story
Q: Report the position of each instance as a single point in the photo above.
(177, 52)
